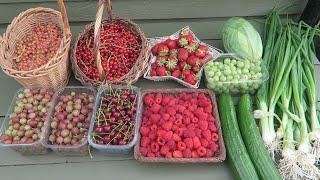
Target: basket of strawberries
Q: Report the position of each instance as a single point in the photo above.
(179, 57)
(112, 51)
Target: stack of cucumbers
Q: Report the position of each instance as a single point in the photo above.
(246, 152)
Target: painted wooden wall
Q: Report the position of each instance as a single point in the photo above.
(162, 17)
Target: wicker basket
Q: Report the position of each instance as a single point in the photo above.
(219, 157)
(135, 72)
(55, 72)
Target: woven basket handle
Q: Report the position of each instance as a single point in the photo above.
(64, 15)
(97, 26)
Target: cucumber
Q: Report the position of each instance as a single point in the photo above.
(237, 155)
(264, 165)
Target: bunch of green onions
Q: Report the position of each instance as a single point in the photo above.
(290, 94)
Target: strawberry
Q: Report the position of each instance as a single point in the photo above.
(203, 47)
(162, 71)
(200, 53)
(185, 32)
(176, 73)
(182, 54)
(192, 46)
(193, 60)
(196, 142)
(163, 50)
(173, 52)
(172, 44)
(191, 79)
(196, 68)
(164, 149)
(201, 151)
(187, 153)
(177, 154)
(154, 49)
(154, 65)
(171, 64)
(153, 73)
(186, 73)
(161, 60)
(183, 41)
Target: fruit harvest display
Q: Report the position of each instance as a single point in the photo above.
(119, 50)
(115, 120)
(178, 126)
(182, 57)
(28, 116)
(37, 47)
(71, 118)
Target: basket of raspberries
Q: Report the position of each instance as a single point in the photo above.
(179, 126)
(114, 126)
(115, 53)
(179, 57)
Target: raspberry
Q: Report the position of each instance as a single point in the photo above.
(162, 111)
(207, 135)
(203, 117)
(193, 101)
(165, 100)
(203, 125)
(164, 149)
(158, 98)
(165, 116)
(168, 135)
(154, 118)
(177, 154)
(161, 132)
(186, 120)
(169, 155)
(178, 122)
(143, 151)
(188, 142)
(144, 130)
(198, 112)
(144, 141)
(167, 125)
(194, 120)
(198, 132)
(208, 109)
(153, 128)
(148, 100)
(214, 147)
(155, 147)
(194, 154)
(204, 102)
(180, 131)
(179, 116)
(187, 153)
(193, 107)
(171, 111)
(172, 102)
(181, 109)
(212, 127)
(146, 112)
(196, 142)
(175, 127)
(201, 151)
(155, 108)
(191, 126)
(209, 153)
(150, 154)
(176, 137)
(215, 137)
(171, 144)
(152, 135)
(189, 133)
(157, 154)
(204, 142)
(181, 146)
(161, 141)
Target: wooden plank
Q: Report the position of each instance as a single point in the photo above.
(165, 9)
(208, 28)
(118, 170)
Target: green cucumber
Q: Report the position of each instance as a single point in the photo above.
(237, 155)
(264, 165)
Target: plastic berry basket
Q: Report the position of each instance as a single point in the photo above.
(115, 149)
(220, 156)
(63, 150)
(35, 148)
(213, 53)
(235, 86)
